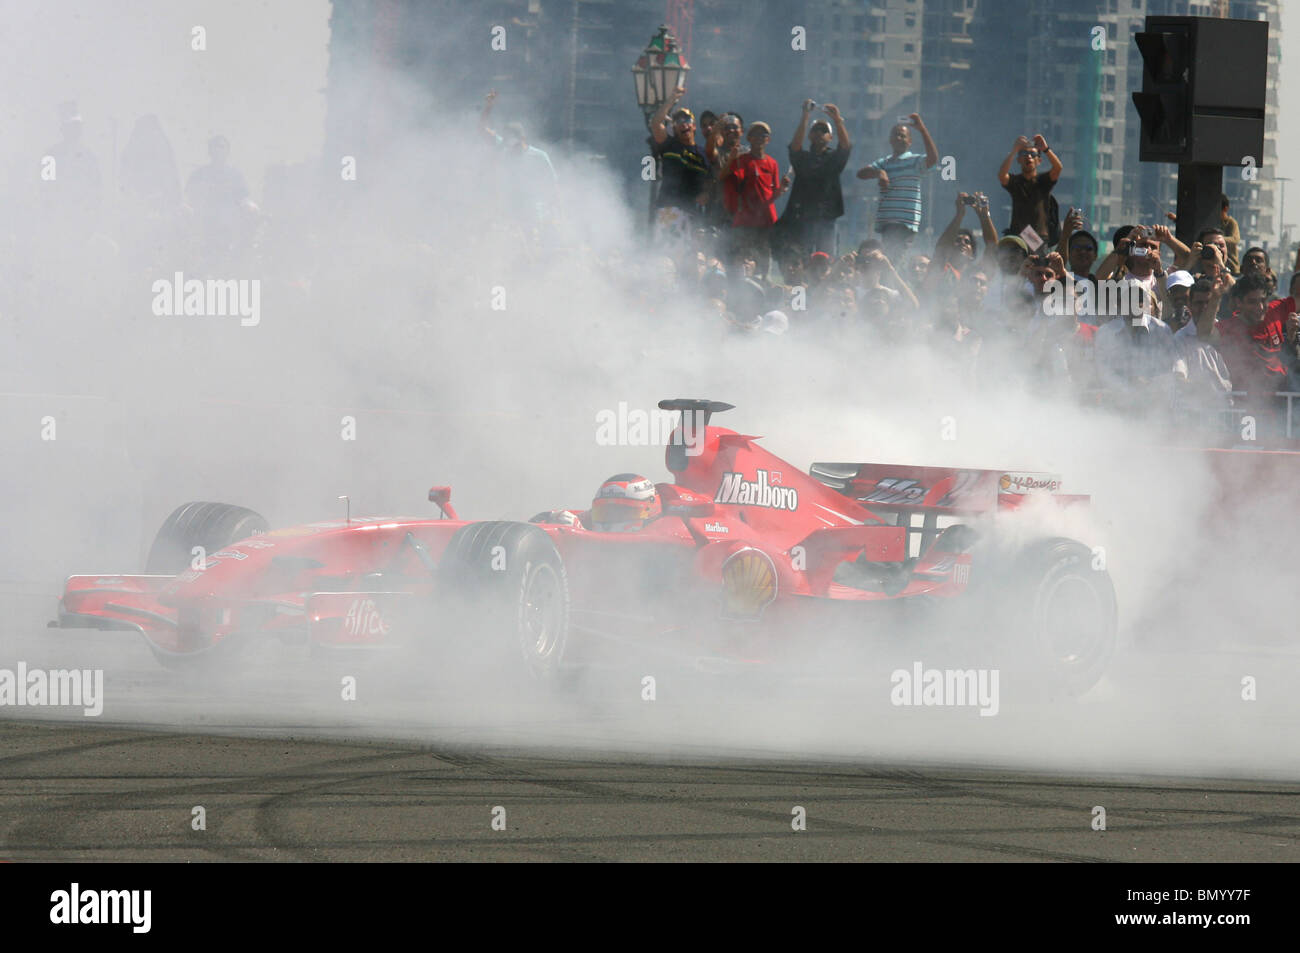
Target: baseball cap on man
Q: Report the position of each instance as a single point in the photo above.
(760, 126)
(683, 115)
(1009, 241)
(1177, 278)
(1089, 236)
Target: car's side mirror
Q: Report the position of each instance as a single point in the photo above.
(440, 496)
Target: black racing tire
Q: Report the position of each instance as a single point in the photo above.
(509, 583)
(1058, 615)
(210, 525)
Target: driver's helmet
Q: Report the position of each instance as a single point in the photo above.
(624, 503)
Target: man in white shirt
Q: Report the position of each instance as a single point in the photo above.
(1137, 360)
(1206, 383)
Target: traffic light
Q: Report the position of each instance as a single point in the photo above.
(1165, 103)
(1203, 87)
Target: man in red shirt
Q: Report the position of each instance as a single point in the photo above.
(1253, 339)
(756, 177)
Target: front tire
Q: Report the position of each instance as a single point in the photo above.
(212, 526)
(513, 589)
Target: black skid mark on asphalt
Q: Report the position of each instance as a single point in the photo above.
(48, 833)
(273, 825)
(921, 785)
(556, 781)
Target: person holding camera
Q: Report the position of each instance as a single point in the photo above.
(1078, 247)
(684, 168)
(898, 217)
(1204, 379)
(1032, 204)
(956, 246)
(955, 252)
(816, 200)
(1231, 232)
(1136, 257)
(724, 142)
(1208, 258)
(528, 177)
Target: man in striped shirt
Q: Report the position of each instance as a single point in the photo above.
(898, 218)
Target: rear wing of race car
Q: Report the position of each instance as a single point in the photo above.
(924, 495)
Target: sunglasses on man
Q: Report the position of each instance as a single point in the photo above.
(1029, 153)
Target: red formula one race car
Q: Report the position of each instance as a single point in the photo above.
(741, 559)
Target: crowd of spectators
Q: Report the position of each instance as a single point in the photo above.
(1137, 320)
(1144, 324)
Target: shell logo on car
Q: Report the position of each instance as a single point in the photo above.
(748, 584)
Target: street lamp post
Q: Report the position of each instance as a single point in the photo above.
(1281, 215)
(659, 70)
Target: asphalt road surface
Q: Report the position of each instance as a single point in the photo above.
(284, 767)
(73, 793)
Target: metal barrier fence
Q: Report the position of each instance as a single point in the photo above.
(1232, 417)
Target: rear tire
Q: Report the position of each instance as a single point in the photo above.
(1061, 616)
(511, 585)
(210, 525)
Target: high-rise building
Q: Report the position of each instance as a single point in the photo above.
(865, 58)
(1073, 83)
(980, 72)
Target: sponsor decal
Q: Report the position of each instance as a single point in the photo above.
(715, 528)
(905, 491)
(363, 619)
(1028, 482)
(896, 490)
(760, 492)
(748, 584)
(226, 554)
(640, 490)
(950, 566)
